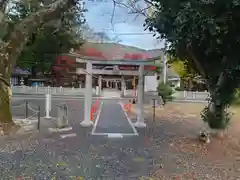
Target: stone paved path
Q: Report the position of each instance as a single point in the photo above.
(113, 119)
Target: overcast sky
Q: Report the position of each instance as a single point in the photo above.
(124, 24)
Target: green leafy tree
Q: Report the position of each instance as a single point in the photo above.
(206, 35)
(14, 40)
(58, 36)
(185, 72)
(159, 67)
(182, 68)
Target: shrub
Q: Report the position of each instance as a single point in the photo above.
(165, 91)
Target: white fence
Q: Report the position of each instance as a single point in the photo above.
(185, 95)
(48, 89)
(191, 95)
(181, 95)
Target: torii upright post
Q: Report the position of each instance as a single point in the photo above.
(140, 109)
(123, 87)
(88, 96)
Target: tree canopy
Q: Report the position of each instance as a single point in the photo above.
(182, 68)
(15, 38)
(205, 34)
(57, 36)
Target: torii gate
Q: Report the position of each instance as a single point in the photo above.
(97, 58)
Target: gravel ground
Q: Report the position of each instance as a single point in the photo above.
(173, 143)
(45, 155)
(84, 156)
(166, 149)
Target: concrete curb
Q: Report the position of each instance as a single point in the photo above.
(41, 94)
(68, 97)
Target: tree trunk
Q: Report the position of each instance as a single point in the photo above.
(5, 98)
(216, 115)
(5, 90)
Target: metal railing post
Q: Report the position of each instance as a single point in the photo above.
(26, 109)
(65, 117)
(154, 109)
(59, 116)
(38, 124)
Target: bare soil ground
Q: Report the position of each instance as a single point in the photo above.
(176, 129)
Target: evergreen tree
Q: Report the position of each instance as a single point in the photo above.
(15, 37)
(205, 34)
(55, 37)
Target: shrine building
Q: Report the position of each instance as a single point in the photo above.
(113, 66)
(109, 69)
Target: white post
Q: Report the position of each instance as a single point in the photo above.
(140, 109)
(164, 69)
(48, 105)
(184, 94)
(97, 91)
(88, 96)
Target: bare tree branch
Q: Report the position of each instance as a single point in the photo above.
(113, 12)
(133, 8)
